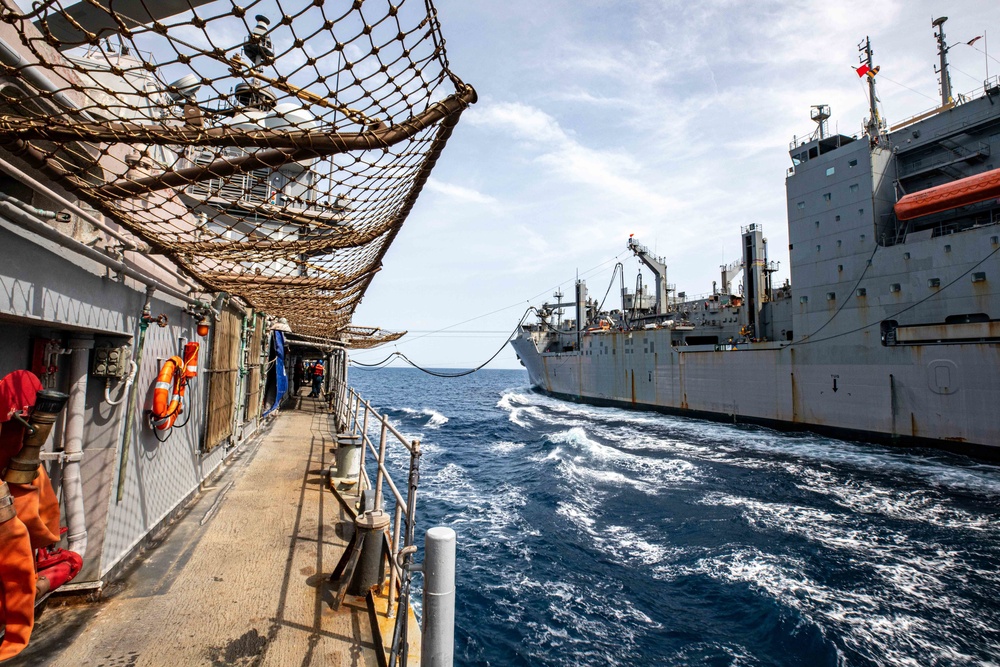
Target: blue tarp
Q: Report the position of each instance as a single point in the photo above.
(280, 377)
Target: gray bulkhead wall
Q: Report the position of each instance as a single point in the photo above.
(47, 291)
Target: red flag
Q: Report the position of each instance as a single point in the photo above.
(974, 40)
(862, 70)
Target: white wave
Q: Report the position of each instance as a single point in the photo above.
(506, 447)
(885, 629)
(588, 458)
(517, 405)
(436, 418)
(925, 506)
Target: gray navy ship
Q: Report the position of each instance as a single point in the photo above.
(888, 329)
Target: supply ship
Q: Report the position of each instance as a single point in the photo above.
(194, 198)
(889, 329)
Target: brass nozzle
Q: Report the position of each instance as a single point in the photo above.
(23, 468)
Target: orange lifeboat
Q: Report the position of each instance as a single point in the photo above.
(962, 192)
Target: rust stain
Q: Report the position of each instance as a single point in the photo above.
(954, 438)
(913, 424)
(633, 387)
(795, 399)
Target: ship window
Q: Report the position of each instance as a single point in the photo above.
(934, 282)
(801, 205)
(837, 218)
(830, 296)
(947, 248)
(906, 255)
(861, 211)
(979, 277)
(814, 152)
(852, 163)
(803, 299)
(840, 267)
(817, 223)
(830, 171)
(650, 347)
(854, 187)
(817, 248)
(839, 243)
(895, 287)
(827, 196)
(861, 291)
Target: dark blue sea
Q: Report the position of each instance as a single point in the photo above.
(598, 536)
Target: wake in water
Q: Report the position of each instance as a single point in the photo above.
(601, 536)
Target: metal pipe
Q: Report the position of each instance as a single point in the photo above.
(437, 645)
(72, 482)
(37, 78)
(33, 224)
(55, 196)
(144, 319)
(126, 242)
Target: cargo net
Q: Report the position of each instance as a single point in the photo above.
(272, 150)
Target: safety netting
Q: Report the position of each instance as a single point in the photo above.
(273, 150)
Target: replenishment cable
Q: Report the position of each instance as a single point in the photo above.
(901, 311)
(844, 301)
(439, 374)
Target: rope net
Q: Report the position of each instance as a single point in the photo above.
(272, 150)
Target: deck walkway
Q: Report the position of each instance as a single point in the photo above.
(240, 578)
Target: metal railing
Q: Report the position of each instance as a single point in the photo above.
(355, 416)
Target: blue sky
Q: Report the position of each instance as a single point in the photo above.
(669, 120)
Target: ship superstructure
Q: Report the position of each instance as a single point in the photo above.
(889, 328)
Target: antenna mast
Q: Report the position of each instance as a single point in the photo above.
(943, 52)
(874, 122)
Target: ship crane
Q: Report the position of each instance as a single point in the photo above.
(658, 266)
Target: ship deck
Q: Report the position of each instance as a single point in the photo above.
(240, 577)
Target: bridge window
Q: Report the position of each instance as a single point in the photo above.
(830, 171)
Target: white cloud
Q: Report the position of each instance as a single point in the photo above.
(459, 192)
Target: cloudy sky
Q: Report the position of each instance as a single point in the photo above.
(669, 120)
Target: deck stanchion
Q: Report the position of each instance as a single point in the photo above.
(397, 516)
(381, 465)
(438, 640)
(365, 442)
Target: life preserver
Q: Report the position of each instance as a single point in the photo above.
(168, 395)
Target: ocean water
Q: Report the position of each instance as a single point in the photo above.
(599, 536)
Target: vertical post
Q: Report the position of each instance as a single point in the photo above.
(357, 406)
(381, 464)
(438, 641)
(394, 549)
(364, 447)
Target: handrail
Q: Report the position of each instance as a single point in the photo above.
(356, 416)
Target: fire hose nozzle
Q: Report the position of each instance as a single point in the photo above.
(23, 468)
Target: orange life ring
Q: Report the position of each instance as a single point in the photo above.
(168, 394)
